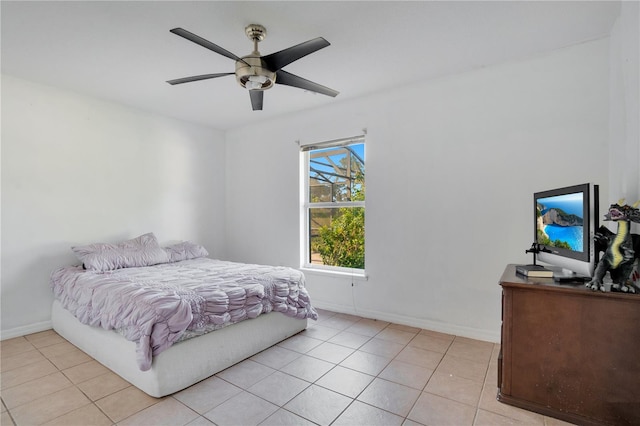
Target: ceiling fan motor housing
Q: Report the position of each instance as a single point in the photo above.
(255, 74)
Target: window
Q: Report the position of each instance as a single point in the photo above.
(333, 205)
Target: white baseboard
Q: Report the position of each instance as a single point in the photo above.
(492, 336)
(25, 329)
(472, 333)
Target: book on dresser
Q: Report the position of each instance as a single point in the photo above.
(534, 271)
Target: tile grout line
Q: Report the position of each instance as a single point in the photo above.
(353, 350)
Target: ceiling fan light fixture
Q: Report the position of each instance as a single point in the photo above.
(253, 75)
(257, 82)
(252, 85)
(258, 79)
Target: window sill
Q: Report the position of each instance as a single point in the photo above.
(360, 276)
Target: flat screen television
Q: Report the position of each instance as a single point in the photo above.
(565, 222)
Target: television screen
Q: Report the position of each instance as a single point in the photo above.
(565, 222)
(561, 221)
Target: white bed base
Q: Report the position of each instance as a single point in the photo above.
(184, 363)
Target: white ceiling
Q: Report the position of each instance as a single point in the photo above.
(123, 51)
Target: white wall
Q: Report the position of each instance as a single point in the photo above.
(78, 170)
(451, 166)
(624, 138)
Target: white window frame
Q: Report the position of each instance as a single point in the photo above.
(305, 206)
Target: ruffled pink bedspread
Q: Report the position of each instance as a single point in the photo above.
(155, 305)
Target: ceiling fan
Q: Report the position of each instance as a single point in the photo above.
(258, 73)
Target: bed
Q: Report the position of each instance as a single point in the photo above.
(164, 318)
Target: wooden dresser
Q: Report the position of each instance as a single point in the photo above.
(569, 352)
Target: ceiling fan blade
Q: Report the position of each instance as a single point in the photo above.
(205, 43)
(278, 60)
(288, 79)
(256, 99)
(198, 78)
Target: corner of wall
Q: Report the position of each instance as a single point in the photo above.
(624, 100)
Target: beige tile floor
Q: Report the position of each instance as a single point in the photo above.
(342, 370)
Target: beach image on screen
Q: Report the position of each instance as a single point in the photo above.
(560, 221)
